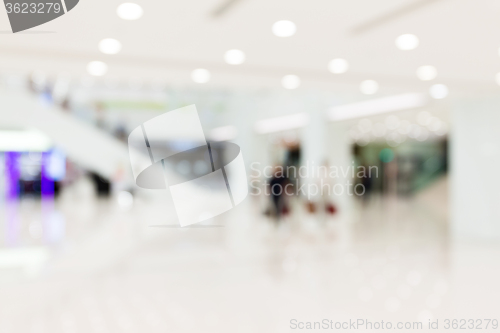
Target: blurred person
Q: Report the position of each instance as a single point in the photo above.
(326, 185)
(66, 104)
(277, 189)
(102, 185)
(320, 200)
(120, 131)
(293, 154)
(367, 183)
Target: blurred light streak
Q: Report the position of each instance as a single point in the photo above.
(282, 123)
(23, 141)
(223, 133)
(12, 176)
(47, 184)
(377, 106)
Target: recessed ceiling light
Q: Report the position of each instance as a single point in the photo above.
(369, 87)
(434, 124)
(426, 73)
(404, 127)
(424, 118)
(110, 46)
(407, 42)
(200, 75)
(284, 28)
(97, 68)
(234, 57)
(290, 81)
(424, 135)
(392, 122)
(129, 11)
(379, 130)
(338, 66)
(443, 129)
(438, 91)
(365, 125)
(414, 131)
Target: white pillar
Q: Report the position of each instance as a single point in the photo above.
(339, 150)
(313, 139)
(475, 170)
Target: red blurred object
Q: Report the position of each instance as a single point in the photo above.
(311, 207)
(330, 208)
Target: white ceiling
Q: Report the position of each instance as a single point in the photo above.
(459, 37)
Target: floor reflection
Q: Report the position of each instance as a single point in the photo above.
(105, 269)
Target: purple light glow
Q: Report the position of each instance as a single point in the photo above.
(12, 176)
(47, 184)
(47, 192)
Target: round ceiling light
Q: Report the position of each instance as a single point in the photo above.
(438, 91)
(234, 57)
(97, 68)
(426, 73)
(369, 87)
(290, 81)
(407, 42)
(129, 11)
(284, 28)
(392, 122)
(110, 46)
(338, 66)
(424, 118)
(200, 75)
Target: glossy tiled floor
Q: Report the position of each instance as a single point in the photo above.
(93, 266)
